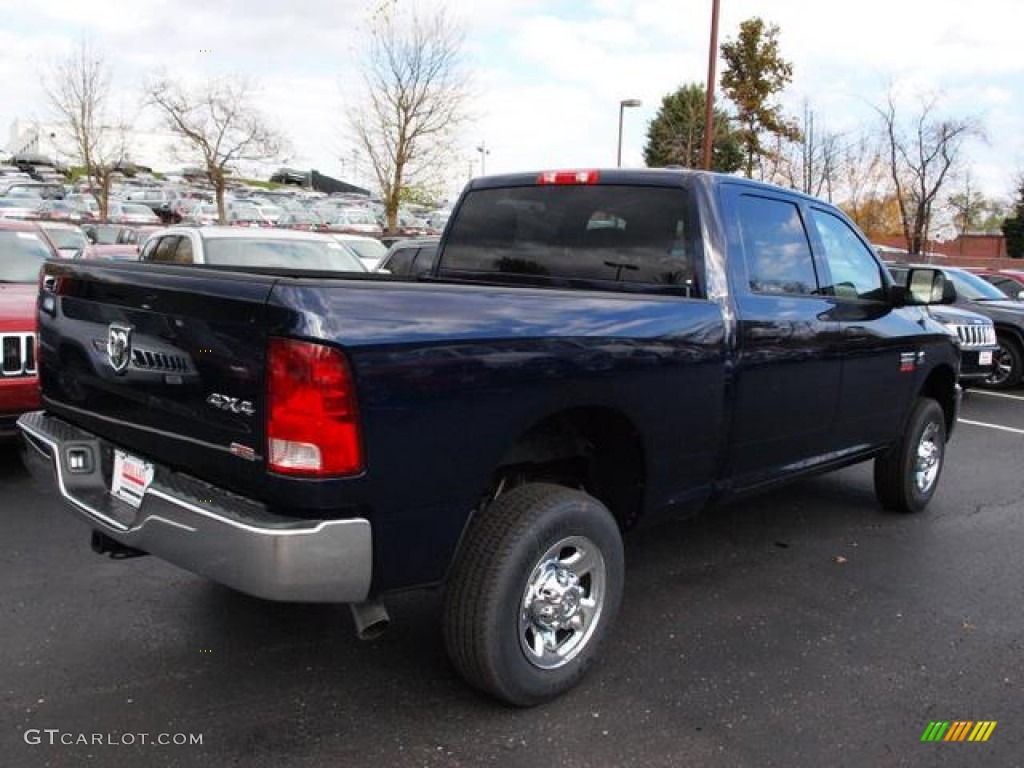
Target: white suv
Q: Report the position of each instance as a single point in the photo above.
(238, 246)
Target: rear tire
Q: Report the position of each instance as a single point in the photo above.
(533, 591)
(907, 476)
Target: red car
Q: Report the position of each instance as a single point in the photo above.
(1009, 281)
(23, 249)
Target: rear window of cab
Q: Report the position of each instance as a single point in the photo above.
(612, 235)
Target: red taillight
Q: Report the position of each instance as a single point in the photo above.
(567, 177)
(312, 418)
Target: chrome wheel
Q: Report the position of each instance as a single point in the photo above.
(533, 591)
(562, 602)
(1002, 367)
(929, 458)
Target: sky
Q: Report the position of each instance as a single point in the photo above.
(548, 76)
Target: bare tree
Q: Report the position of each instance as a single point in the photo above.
(78, 89)
(809, 164)
(217, 120)
(920, 156)
(416, 98)
(819, 152)
(865, 183)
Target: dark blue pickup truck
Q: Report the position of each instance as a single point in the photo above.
(591, 350)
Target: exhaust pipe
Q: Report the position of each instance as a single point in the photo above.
(104, 545)
(371, 619)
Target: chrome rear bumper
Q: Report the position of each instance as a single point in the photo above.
(202, 528)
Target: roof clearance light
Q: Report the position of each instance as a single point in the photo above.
(567, 177)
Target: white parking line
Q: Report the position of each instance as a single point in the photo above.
(991, 426)
(996, 394)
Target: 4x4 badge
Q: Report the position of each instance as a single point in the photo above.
(119, 346)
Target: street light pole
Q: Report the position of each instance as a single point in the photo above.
(709, 106)
(622, 107)
(484, 152)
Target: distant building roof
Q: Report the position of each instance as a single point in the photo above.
(316, 180)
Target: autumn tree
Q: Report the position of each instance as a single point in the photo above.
(754, 75)
(676, 134)
(218, 121)
(865, 189)
(876, 216)
(921, 151)
(416, 97)
(78, 90)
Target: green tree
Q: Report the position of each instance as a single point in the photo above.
(1013, 226)
(973, 211)
(754, 74)
(676, 134)
(421, 194)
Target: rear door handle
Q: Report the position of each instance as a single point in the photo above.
(855, 332)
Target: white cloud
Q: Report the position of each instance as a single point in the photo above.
(550, 74)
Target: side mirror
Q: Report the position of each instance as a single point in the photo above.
(927, 286)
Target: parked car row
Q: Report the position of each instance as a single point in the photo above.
(983, 299)
(177, 200)
(144, 200)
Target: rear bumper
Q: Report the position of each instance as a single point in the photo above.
(202, 528)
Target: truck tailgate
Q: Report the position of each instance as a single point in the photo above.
(168, 362)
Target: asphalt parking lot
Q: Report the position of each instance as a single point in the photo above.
(805, 627)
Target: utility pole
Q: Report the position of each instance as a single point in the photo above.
(709, 107)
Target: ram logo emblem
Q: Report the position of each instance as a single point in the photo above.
(119, 346)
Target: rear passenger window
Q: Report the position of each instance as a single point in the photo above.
(183, 253)
(400, 262)
(424, 261)
(775, 246)
(165, 249)
(149, 250)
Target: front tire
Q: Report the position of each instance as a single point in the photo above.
(533, 591)
(907, 476)
(1008, 365)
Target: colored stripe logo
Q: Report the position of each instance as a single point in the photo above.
(958, 730)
